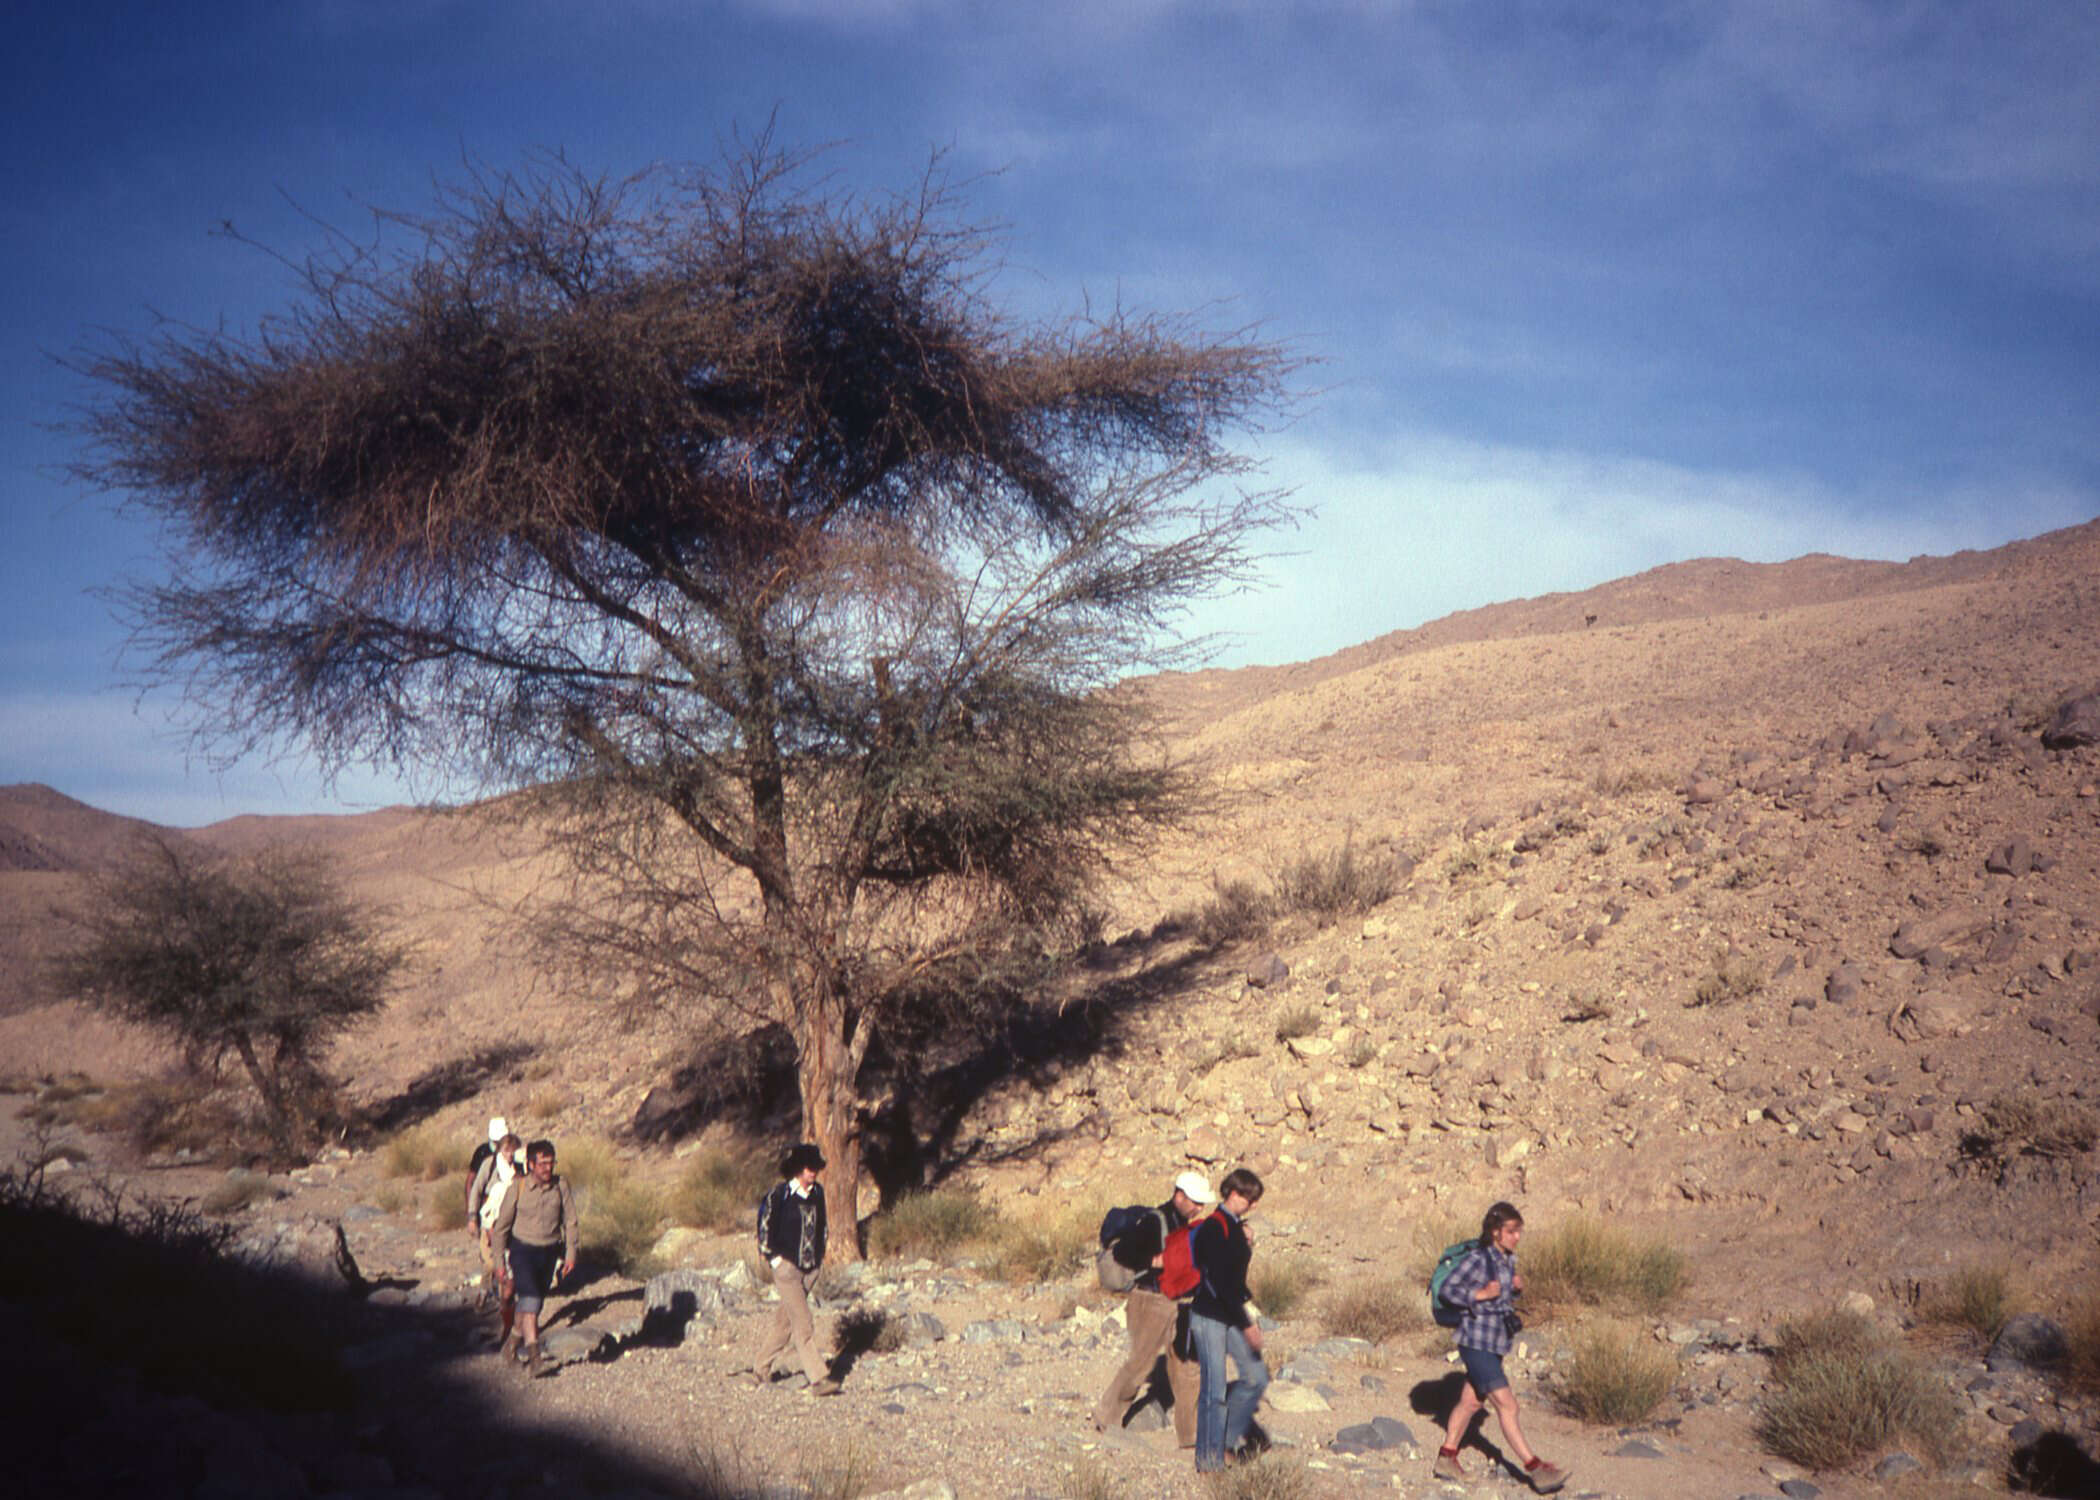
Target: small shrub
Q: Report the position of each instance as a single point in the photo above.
(1090, 1479)
(1732, 979)
(1222, 1050)
(1586, 1261)
(618, 1221)
(1627, 781)
(1833, 1332)
(1615, 1374)
(1746, 874)
(1279, 1284)
(1980, 1298)
(235, 1191)
(2082, 1335)
(588, 1161)
(392, 1197)
(868, 1330)
(1270, 1477)
(1375, 1309)
(546, 1104)
(1361, 1054)
(1839, 1404)
(720, 1189)
(425, 1153)
(1337, 883)
(846, 1472)
(1049, 1247)
(443, 1205)
(930, 1224)
(1236, 911)
(1299, 1020)
(1589, 1005)
(2026, 1124)
(1470, 859)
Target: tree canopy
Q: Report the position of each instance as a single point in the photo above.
(730, 516)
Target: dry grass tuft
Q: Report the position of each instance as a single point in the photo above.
(1270, 1477)
(1732, 979)
(932, 1224)
(2082, 1333)
(1616, 1374)
(1588, 1262)
(1848, 1389)
(1375, 1309)
(236, 1190)
(1336, 883)
(425, 1153)
(1297, 1021)
(1980, 1298)
(1279, 1284)
(720, 1189)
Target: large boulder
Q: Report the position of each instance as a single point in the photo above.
(2077, 723)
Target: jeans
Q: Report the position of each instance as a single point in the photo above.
(1223, 1413)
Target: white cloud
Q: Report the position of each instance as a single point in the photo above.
(1415, 527)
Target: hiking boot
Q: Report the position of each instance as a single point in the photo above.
(1448, 1466)
(532, 1360)
(825, 1387)
(750, 1376)
(1545, 1477)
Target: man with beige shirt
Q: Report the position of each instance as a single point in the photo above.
(536, 1225)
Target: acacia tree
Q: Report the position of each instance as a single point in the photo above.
(733, 522)
(265, 958)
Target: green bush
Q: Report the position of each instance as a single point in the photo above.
(1375, 1308)
(720, 1189)
(931, 1224)
(1586, 1261)
(1279, 1284)
(1615, 1374)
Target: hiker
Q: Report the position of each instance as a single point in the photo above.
(1220, 1325)
(1153, 1315)
(492, 1172)
(534, 1234)
(791, 1238)
(1483, 1287)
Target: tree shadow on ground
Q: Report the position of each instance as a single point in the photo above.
(448, 1083)
(2054, 1464)
(167, 1368)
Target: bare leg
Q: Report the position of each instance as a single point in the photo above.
(1461, 1416)
(1504, 1401)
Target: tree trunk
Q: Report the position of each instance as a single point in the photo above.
(290, 1137)
(827, 1073)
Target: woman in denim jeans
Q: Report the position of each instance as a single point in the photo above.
(1219, 1324)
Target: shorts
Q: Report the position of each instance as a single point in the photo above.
(1483, 1370)
(532, 1270)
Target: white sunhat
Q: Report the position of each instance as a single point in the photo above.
(1197, 1186)
(498, 1127)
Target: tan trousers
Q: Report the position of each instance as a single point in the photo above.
(1151, 1318)
(791, 1324)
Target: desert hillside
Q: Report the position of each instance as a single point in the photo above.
(1740, 904)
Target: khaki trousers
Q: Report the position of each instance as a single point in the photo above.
(791, 1324)
(1151, 1318)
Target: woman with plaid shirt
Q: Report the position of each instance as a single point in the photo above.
(1484, 1287)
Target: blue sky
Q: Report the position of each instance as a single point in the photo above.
(1591, 287)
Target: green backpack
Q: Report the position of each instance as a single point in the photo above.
(1445, 1314)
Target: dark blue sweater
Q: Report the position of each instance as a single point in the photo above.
(1222, 1252)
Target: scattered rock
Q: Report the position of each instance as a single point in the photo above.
(1636, 1449)
(1895, 1466)
(2077, 723)
(1285, 1395)
(2028, 1342)
(1378, 1435)
(1267, 972)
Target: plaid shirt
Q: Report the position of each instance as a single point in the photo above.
(1483, 1328)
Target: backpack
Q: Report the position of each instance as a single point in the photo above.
(1178, 1272)
(1117, 1222)
(1445, 1314)
(481, 1154)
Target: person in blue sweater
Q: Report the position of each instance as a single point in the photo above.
(1484, 1287)
(1221, 1325)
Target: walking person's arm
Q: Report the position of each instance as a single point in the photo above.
(568, 1230)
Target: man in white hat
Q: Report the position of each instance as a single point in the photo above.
(1153, 1316)
(489, 1171)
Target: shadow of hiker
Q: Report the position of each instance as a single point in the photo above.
(2054, 1464)
(1434, 1399)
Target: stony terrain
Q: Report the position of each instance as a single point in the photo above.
(1734, 896)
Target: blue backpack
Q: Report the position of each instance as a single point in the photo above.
(1445, 1314)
